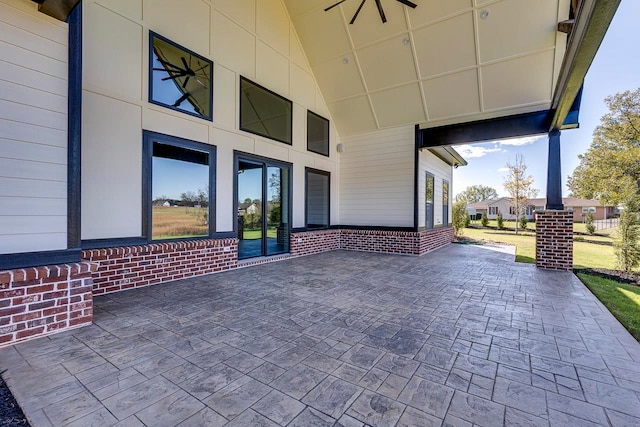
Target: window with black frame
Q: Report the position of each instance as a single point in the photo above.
(317, 191)
(179, 188)
(180, 79)
(445, 203)
(430, 187)
(317, 134)
(265, 113)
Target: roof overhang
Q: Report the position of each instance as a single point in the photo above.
(448, 155)
(59, 9)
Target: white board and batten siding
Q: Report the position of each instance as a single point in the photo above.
(377, 178)
(254, 39)
(33, 129)
(428, 162)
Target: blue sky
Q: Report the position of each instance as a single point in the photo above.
(616, 68)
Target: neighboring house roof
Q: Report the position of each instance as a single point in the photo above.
(567, 201)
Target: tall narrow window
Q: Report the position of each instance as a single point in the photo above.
(317, 189)
(265, 113)
(445, 203)
(429, 201)
(178, 188)
(317, 134)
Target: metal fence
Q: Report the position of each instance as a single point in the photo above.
(603, 224)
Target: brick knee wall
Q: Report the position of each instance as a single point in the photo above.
(39, 301)
(380, 241)
(554, 240)
(313, 242)
(136, 266)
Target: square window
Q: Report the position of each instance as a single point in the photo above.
(317, 134)
(178, 188)
(317, 192)
(265, 113)
(179, 78)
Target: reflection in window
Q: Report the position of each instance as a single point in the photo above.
(179, 192)
(445, 203)
(317, 198)
(265, 113)
(429, 201)
(317, 134)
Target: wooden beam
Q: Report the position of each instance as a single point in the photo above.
(566, 26)
(59, 9)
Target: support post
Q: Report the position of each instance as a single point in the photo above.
(554, 174)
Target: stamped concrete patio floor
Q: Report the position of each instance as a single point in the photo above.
(460, 336)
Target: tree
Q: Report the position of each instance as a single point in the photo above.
(519, 186)
(477, 193)
(459, 214)
(500, 221)
(484, 220)
(614, 153)
(627, 236)
(588, 223)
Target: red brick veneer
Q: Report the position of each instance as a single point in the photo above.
(554, 240)
(39, 301)
(135, 266)
(380, 241)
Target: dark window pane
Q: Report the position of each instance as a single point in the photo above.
(317, 193)
(445, 203)
(180, 192)
(317, 134)
(264, 113)
(430, 186)
(180, 79)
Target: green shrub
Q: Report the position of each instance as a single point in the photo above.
(523, 222)
(459, 217)
(588, 221)
(467, 221)
(484, 220)
(500, 221)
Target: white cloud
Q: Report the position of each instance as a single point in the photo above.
(520, 141)
(475, 151)
(504, 169)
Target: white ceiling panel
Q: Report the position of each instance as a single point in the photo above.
(452, 95)
(390, 113)
(353, 115)
(446, 46)
(469, 65)
(518, 82)
(339, 78)
(502, 36)
(387, 63)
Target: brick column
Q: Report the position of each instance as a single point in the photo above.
(554, 240)
(39, 301)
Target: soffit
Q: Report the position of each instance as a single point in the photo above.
(440, 63)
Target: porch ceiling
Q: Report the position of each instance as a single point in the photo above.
(444, 62)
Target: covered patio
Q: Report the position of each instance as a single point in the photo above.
(461, 336)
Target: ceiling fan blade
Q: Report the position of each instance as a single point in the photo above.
(184, 61)
(184, 85)
(334, 5)
(411, 4)
(381, 11)
(355, 15)
(181, 99)
(175, 76)
(168, 64)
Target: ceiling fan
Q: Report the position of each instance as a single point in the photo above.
(378, 3)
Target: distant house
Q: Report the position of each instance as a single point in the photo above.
(579, 207)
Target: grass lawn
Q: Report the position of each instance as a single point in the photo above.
(622, 300)
(257, 234)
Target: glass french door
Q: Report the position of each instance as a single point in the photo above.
(263, 194)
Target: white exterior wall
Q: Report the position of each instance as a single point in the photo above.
(376, 178)
(428, 162)
(33, 129)
(251, 38)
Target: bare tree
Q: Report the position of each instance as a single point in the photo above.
(519, 186)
